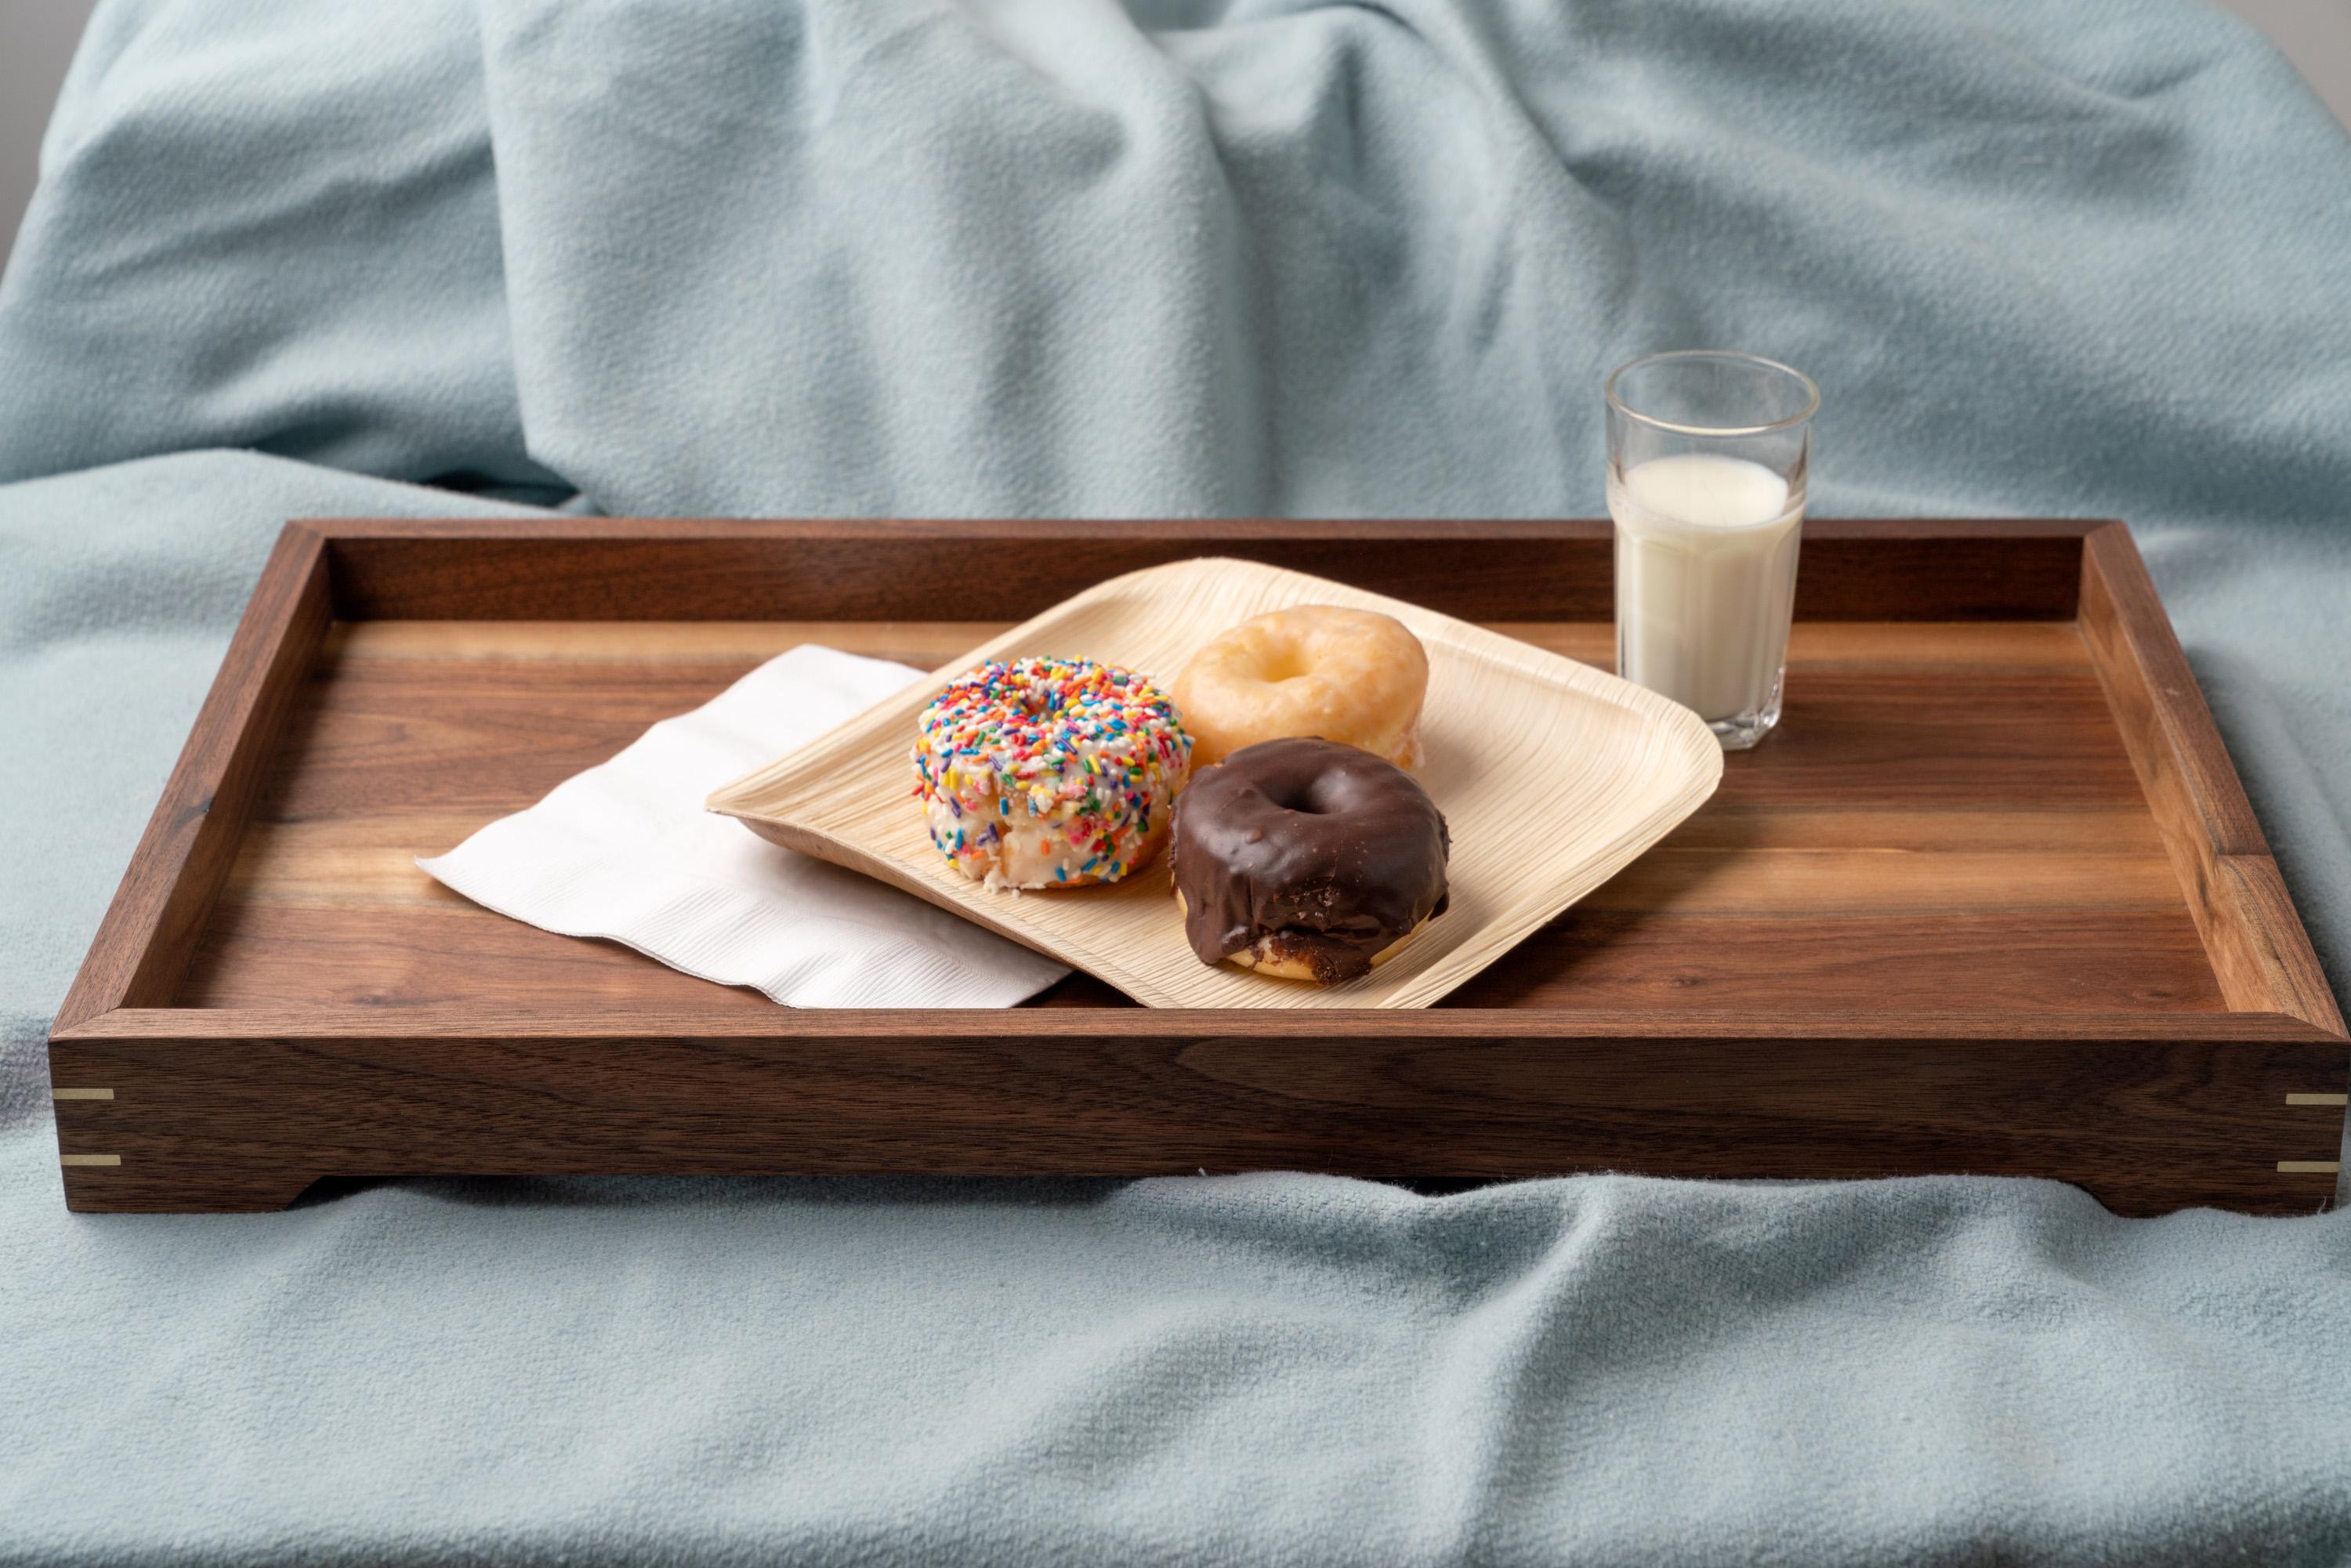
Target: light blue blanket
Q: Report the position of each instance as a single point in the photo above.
(1043, 256)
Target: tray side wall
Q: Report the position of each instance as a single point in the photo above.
(2259, 950)
(2145, 1122)
(619, 570)
(150, 931)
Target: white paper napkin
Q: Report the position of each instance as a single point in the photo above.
(626, 851)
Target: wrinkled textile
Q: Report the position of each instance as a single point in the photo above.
(1056, 257)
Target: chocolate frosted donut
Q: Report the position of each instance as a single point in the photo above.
(1306, 858)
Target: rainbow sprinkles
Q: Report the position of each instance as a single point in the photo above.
(1049, 772)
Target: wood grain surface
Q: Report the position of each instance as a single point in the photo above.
(605, 569)
(2144, 1114)
(1946, 817)
(144, 943)
(1988, 901)
(2256, 943)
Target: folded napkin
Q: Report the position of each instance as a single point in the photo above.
(626, 851)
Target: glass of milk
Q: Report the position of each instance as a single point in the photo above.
(1707, 459)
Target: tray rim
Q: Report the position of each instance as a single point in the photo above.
(147, 936)
(628, 1022)
(320, 570)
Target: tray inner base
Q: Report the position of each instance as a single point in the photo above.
(1947, 820)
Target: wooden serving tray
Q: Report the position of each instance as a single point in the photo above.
(1991, 900)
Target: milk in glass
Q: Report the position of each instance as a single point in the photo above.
(1706, 582)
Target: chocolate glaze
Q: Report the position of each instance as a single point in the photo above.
(1332, 850)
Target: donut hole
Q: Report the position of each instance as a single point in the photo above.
(1324, 794)
(1281, 662)
(1285, 656)
(1292, 801)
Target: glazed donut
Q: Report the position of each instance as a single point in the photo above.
(1354, 676)
(1307, 860)
(1049, 772)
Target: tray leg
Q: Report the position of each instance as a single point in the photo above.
(185, 1182)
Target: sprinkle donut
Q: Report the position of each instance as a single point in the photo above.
(1049, 772)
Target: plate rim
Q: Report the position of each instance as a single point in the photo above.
(1698, 746)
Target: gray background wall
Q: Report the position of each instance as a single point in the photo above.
(36, 40)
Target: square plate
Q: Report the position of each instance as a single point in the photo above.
(1552, 775)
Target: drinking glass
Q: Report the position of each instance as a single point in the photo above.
(1708, 455)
